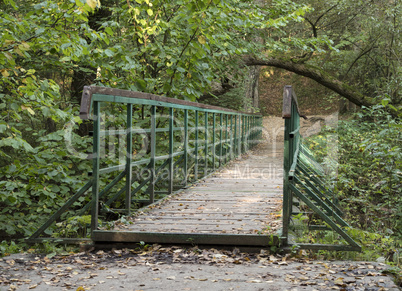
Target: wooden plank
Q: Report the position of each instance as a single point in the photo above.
(186, 238)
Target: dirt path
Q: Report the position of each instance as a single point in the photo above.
(174, 268)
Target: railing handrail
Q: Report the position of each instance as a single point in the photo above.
(306, 187)
(86, 100)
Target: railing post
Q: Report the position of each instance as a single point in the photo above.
(220, 138)
(235, 136)
(248, 134)
(153, 153)
(95, 166)
(251, 142)
(231, 136)
(213, 141)
(239, 135)
(129, 156)
(287, 162)
(171, 147)
(243, 135)
(185, 170)
(196, 146)
(226, 137)
(206, 145)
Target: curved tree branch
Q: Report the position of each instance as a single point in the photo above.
(318, 75)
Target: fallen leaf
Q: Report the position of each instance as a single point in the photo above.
(339, 282)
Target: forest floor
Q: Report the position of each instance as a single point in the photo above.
(175, 268)
(158, 267)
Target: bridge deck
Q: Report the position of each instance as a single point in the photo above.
(238, 205)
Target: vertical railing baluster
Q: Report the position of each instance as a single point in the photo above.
(241, 135)
(254, 131)
(231, 136)
(213, 141)
(220, 138)
(153, 153)
(196, 146)
(235, 136)
(129, 157)
(226, 137)
(171, 148)
(185, 170)
(248, 134)
(95, 166)
(206, 145)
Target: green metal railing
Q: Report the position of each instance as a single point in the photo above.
(304, 180)
(163, 144)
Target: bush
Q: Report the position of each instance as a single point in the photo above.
(368, 180)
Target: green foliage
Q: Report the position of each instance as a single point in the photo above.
(76, 226)
(358, 46)
(368, 180)
(47, 49)
(178, 50)
(374, 246)
(9, 247)
(34, 186)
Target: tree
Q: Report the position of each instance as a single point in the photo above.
(174, 48)
(351, 47)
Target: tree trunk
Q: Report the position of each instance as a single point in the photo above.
(252, 98)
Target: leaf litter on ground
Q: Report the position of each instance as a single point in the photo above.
(88, 270)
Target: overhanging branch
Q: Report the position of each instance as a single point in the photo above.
(350, 93)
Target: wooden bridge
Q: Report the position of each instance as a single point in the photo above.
(239, 204)
(187, 173)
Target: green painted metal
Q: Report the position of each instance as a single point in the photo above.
(196, 147)
(187, 141)
(206, 149)
(129, 158)
(304, 180)
(220, 139)
(95, 166)
(59, 212)
(231, 137)
(213, 140)
(185, 146)
(171, 150)
(226, 137)
(153, 155)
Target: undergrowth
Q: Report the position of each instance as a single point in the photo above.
(365, 176)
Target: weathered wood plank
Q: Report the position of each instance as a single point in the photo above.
(186, 238)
